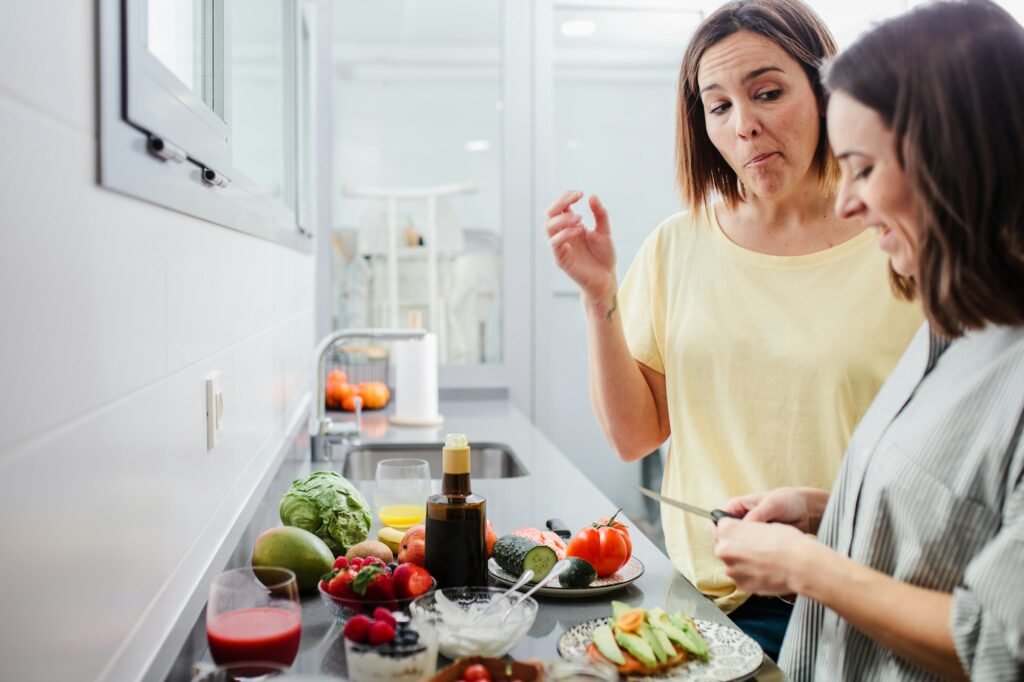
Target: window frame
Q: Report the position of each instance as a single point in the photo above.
(167, 167)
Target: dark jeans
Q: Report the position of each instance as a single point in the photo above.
(764, 619)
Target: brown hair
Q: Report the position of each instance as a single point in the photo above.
(794, 27)
(945, 79)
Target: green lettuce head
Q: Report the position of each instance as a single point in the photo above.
(328, 506)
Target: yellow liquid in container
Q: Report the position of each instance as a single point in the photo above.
(402, 516)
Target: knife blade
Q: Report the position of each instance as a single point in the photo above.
(715, 515)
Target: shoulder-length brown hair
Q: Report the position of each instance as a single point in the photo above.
(701, 170)
(946, 79)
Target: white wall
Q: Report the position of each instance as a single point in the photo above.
(112, 311)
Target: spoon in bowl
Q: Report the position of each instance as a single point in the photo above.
(526, 577)
(558, 569)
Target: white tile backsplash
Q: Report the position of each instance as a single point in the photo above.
(112, 312)
(52, 44)
(82, 280)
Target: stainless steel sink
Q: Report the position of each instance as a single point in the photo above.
(486, 460)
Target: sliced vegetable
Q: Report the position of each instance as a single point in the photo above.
(544, 537)
(516, 554)
(630, 621)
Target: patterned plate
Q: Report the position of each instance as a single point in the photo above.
(633, 569)
(734, 656)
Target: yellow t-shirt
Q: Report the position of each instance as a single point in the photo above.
(769, 362)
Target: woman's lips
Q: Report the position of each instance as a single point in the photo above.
(761, 159)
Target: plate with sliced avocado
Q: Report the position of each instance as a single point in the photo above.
(512, 555)
(651, 643)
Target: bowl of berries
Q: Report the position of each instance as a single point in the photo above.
(390, 647)
(360, 585)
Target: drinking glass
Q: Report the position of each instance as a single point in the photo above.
(401, 492)
(254, 615)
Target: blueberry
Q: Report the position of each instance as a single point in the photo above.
(412, 636)
(392, 566)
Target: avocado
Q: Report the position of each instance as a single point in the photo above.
(636, 646)
(619, 608)
(660, 622)
(652, 641)
(604, 640)
(695, 644)
(665, 642)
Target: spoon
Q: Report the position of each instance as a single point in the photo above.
(526, 577)
(558, 569)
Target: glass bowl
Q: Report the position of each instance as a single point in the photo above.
(465, 629)
(343, 608)
(397, 661)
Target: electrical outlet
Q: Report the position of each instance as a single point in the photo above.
(214, 410)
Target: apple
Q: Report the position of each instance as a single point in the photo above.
(413, 547)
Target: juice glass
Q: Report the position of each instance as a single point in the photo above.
(254, 615)
(401, 492)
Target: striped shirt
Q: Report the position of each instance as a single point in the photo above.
(931, 493)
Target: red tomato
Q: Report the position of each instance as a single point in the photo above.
(476, 672)
(605, 545)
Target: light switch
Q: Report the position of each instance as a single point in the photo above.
(214, 410)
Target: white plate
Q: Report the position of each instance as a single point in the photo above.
(633, 569)
(733, 655)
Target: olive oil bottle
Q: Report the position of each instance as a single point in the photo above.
(456, 520)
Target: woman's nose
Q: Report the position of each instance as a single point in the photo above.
(847, 205)
(747, 124)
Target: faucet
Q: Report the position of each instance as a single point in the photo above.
(323, 430)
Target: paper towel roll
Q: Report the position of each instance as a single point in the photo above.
(416, 381)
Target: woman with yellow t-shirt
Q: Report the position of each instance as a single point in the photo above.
(751, 332)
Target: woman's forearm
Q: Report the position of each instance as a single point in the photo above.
(911, 621)
(631, 411)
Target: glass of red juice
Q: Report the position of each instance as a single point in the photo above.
(254, 614)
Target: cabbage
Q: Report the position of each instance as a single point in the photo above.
(328, 506)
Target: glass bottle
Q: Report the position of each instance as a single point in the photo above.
(456, 519)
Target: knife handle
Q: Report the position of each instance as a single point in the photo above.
(717, 515)
(558, 527)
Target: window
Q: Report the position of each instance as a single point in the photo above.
(208, 121)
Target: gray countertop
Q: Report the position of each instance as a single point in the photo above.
(554, 487)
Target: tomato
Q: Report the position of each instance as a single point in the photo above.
(476, 672)
(605, 545)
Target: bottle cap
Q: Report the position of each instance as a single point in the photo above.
(456, 440)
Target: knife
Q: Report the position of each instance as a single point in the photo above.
(715, 515)
(558, 527)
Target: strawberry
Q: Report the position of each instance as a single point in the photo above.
(381, 632)
(382, 614)
(358, 628)
(412, 580)
(340, 583)
(374, 584)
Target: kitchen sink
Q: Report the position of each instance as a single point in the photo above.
(486, 460)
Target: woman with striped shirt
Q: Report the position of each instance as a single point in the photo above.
(917, 571)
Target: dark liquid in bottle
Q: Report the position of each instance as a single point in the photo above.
(456, 542)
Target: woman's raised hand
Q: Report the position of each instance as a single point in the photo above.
(587, 256)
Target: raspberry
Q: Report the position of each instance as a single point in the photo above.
(381, 613)
(382, 633)
(341, 562)
(358, 628)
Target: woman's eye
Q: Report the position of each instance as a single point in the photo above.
(769, 95)
(863, 173)
(720, 109)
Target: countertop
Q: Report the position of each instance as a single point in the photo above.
(553, 487)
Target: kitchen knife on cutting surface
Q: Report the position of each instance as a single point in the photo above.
(558, 527)
(715, 515)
